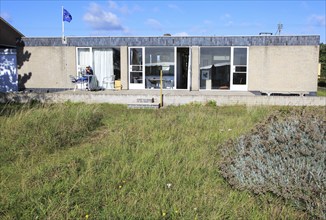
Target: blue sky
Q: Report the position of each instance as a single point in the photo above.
(154, 18)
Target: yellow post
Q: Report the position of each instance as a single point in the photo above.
(161, 85)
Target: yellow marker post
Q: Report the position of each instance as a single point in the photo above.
(161, 85)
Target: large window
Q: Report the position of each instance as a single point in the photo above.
(105, 63)
(157, 59)
(145, 65)
(215, 65)
(240, 63)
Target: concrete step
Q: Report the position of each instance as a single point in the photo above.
(143, 100)
(139, 105)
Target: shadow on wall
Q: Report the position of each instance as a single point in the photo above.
(22, 80)
(23, 57)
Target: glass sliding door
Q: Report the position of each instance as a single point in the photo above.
(103, 67)
(239, 76)
(157, 59)
(215, 68)
(136, 68)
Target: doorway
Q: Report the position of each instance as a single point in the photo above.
(182, 67)
(239, 76)
(136, 68)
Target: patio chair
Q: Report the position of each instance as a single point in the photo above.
(74, 81)
(108, 82)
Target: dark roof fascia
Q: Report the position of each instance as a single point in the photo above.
(12, 27)
(303, 40)
(7, 46)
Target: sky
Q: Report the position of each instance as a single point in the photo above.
(43, 18)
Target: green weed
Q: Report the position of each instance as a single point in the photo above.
(321, 91)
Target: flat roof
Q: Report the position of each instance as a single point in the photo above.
(261, 40)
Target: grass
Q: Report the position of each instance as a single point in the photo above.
(321, 91)
(110, 162)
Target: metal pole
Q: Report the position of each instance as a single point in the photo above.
(63, 25)
(161, 85)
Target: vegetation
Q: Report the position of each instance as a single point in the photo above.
(321, 91)
(322, 60)
(78, 161)
(285, 155)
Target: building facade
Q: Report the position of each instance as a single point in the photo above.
(10, 42)
(265, 64)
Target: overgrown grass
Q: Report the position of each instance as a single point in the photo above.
(110, 162)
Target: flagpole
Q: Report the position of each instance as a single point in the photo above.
(63, 25)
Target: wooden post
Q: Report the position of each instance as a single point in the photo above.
(161, 86)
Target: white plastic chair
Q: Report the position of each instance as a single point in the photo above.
(74, 81)
(108, 82)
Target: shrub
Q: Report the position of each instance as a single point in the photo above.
(322, 83)
(284, 155)
(211, 103)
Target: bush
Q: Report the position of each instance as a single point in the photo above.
(284, 155)
(321, 83)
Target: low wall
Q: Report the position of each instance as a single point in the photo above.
(168, 99)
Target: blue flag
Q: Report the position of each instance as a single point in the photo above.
(66, 16)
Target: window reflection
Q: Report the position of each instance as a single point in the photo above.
(240, 56)
(215, 67)
(157, 59)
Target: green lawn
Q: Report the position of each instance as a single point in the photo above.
(78, 161)
(321, 91)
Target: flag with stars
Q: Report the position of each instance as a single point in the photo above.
(66, 16)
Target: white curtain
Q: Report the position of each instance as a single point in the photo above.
(84, 57)
(103, 66)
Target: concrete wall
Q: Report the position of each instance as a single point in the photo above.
(124, 67)
(169, 99)
(48, 67)
(195, 68)
(283, 68)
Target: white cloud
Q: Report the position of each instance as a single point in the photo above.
(124, 9)
(154, 23)
(317, 20)
(113, 5)
(225, 16)
(99, 19)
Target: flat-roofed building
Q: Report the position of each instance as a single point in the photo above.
(265, 64)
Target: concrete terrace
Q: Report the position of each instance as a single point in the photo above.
(170, 97)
